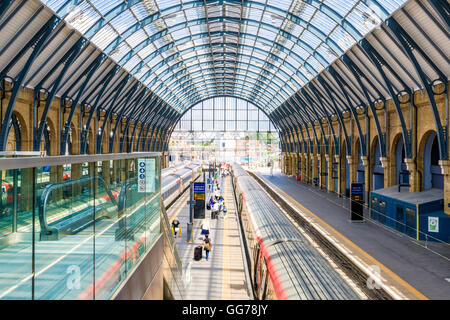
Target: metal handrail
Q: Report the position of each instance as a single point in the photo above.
(35, 162)
(50, 187)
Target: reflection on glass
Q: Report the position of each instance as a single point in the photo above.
(87, 230)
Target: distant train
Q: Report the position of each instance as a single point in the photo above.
(282, 262)
(175, 183)
(175, 168)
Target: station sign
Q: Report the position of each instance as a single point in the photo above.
(199, 191)
(356, 202)
(146, 175)
(199, 198)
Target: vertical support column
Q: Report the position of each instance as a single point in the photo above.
(307, 168)
(105, 172)
(445, 166)
(367, 176)
(352, 165)
(116, 171)
(315, 173)
(302, 164)
(341, 176)
(293, 164)
(26, 192)
(329, 168)
(56, 175)
(322, 171)
(414, 176)
(76, 172)
(286, 163)
(386, 164)
(123, 173)
(92, 166)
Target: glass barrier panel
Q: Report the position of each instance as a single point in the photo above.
(109, 241)
(64, 247)
(16, 234)
(87, 225)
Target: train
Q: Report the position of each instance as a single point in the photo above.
(176, 182)
(282, 262)
(175, 168)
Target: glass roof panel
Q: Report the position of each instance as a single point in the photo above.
(258, 45)
(104, 37)
(105, 6)
(123, 21)
(82, 17)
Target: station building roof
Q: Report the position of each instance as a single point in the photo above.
(299, 61)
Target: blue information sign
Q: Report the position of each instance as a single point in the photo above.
(357, 188)
(199, 187)
(356, 202)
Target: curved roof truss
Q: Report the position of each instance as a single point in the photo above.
(300, 61)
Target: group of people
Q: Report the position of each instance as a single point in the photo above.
(216, 204)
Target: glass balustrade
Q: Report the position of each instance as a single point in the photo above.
(76, 230)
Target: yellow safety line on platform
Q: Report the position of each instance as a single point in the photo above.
(226, 279)
(179, 208)
(405, 284)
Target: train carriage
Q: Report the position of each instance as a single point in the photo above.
(282, 262)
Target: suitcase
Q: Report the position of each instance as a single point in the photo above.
(198, 252)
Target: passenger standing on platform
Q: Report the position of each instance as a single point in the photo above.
(207, 244)
(211, 202)
(215, 210)
(205, 227)
(175, 226)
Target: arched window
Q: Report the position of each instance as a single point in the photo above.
(225, 128)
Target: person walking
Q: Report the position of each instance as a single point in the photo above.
(210, 203)
(175, 226)
(207, 244)
(215, 210)
(205, 227)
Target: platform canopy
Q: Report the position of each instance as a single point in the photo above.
(300, 61)
(186, 51)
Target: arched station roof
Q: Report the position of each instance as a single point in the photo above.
(150, 60)
(265, 50)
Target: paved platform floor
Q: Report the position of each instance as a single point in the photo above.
(222, 276)
(425, 269)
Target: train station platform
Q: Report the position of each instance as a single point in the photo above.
(411, 269)
(222, 276)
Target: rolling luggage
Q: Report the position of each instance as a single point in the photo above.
(198, 253)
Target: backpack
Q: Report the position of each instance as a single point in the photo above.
(208, 246)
